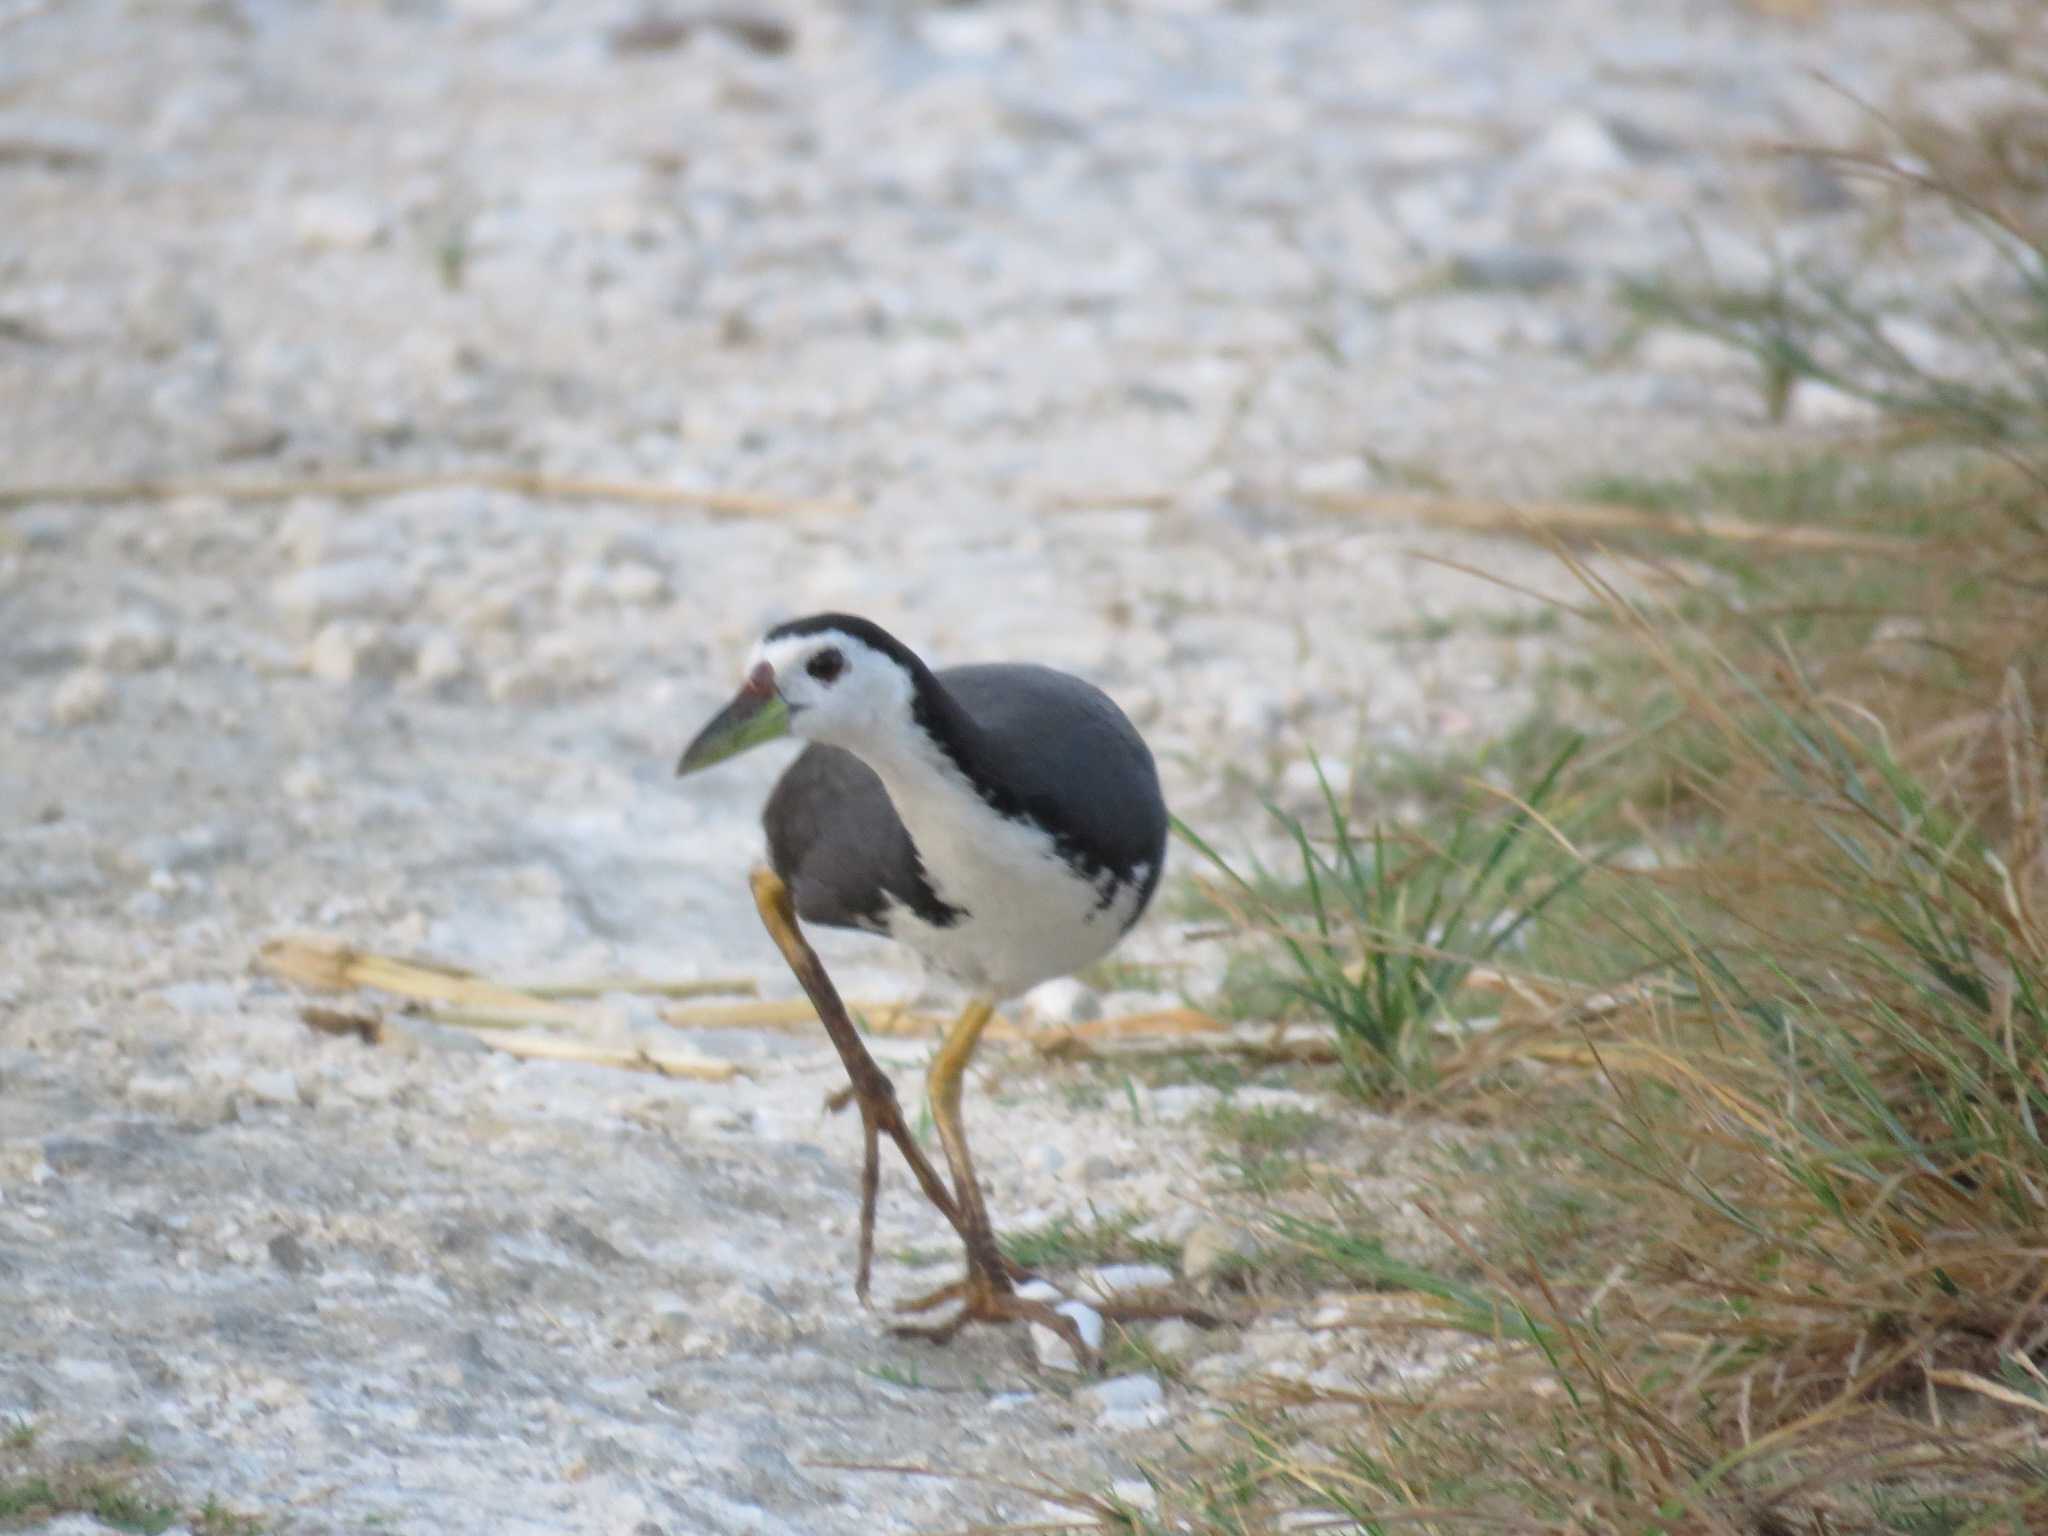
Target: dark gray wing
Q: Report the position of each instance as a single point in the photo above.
(840, 847)
(1057, 750)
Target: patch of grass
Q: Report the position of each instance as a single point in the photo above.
(213, 1518)
(1519, 624)
(906, 1377)
(1431, 630)
(1768, 1238)
(1264, 1148)
(103, 1490)
(1438, 784)
(1067, 1242)
(1083, 1093)
(1753, 1245)
(1756, 1248)
(110, 1483)
(1114, 975)
(1383, 927)
(1409, 474)
(20, 1433)
(1961, 366)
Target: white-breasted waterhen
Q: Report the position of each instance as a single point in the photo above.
(1004, 821)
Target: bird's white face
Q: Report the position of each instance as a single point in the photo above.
(833, 678)
(837, 688)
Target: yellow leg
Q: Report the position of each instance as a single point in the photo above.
(986, 1294)
(942, 1086)
(879, 1113)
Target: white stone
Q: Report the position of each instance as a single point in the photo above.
(440, 660)
(348, 651)
(1327, 477)
(132, 643)
(1128, 1402)
(1581, 143)
(1668, 349)
(273, 1085)
(553, 669)
(1053, 1352)
(1299, 780)
(366, 587)
(637, 584)
(1171, 1226)
(1176, 1338)
(305, 781)
(584, 585)
(1817, 404)
(1134, 1493)
(1224, 1370)
(1109, 1280)
(1214, 1247)
(1099, 1168)
(312, 530)
(1182, 1101)
(83, 697)
(1063, 1002)
(1310, 1520)
(337, 220)
(160, 1091)
(1045, 1158)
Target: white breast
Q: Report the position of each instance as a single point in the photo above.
(1030, 915)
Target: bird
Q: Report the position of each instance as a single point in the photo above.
(1003, 821)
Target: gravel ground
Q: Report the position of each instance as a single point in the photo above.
(1044, 327)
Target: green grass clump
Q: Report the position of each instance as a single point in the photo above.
(1379, 930)
(111, 1483)
(1754, 1241)
(1264, 1148)
(1066, 1242)
(1769, 1256)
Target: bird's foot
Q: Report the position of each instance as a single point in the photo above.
(985, 1300)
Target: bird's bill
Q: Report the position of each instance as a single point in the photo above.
(755, 716)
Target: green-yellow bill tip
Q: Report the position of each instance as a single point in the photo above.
(756, 715)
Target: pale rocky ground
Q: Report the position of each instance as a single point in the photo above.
(1078, 306)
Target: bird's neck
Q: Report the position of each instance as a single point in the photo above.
(935, 771)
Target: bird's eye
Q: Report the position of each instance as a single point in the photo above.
(826, 665)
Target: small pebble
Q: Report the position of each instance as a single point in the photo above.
(348, 651)
(637, 584)
(1582, 143)
(367, 587)
(335, 220)
(304, 781)
(273, 1085)
(1063, 1001)
(83, 697)
(1053, 1353)
(440, 660)
(1128, 1402)
(134, 643)
(1176, 1338)
(158, 1091)
(289, 1254)
(1213, 1248)
(1119, 1279)
(1134, 1493)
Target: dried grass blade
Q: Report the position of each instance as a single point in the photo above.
(625, 1057)
(1983, 1386)
(372, 487)
(330, 965)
